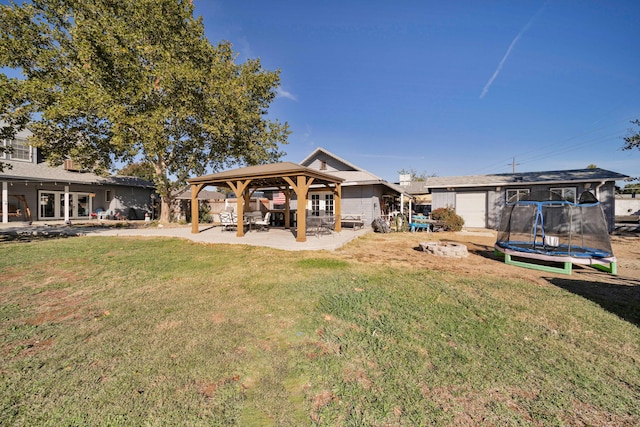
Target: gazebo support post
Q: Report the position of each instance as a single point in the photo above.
(239, 188)
(337, 194)
(301, 187)
(195, 211)
(287, 208)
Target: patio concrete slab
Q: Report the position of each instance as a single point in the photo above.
(277, 238)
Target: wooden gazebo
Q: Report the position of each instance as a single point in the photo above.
(288, 177)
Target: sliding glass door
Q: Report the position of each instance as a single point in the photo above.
(52, 205)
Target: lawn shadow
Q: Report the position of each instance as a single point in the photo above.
(617, 295)
(30, 233)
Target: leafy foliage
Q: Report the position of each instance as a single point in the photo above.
(112, 81)
(630, 189)
(138, 169)
(452, 221)
(416, 176)
(204, 213)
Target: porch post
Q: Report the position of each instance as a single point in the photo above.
(5, 203)
(66, 204)
(338, 213)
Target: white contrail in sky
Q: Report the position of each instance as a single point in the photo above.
(506, 55)
(281, 93)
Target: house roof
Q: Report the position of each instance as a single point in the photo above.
(355, 176)
(517, 179)
(416, 187)
(308, 160)
(185, 194)
(43, 172)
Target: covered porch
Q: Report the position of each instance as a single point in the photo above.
(290, 178)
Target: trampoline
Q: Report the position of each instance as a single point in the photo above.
(542, 230)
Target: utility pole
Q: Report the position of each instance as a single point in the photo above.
(513, 165)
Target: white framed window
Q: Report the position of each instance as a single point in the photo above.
(321, 203)
(328, 204)
(20, 150)
(315, 205)
(567, 193)
(107, 195)
(516, 194)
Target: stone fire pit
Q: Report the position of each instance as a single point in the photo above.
(445, 249)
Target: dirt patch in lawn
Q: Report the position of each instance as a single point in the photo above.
(403, 250)
(619, 294)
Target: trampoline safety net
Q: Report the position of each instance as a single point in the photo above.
(545, 223)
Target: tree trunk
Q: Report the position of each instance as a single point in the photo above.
(165, 210)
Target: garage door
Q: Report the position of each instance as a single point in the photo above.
(473, 208)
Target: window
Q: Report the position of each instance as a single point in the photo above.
(47, 203)
(20, 150)
(321, 204)
(107, 195)
(323, 165)
(567, 193)
(516, 194)
(52, 205)
(315, 205)
(82, 209)
(328, 204)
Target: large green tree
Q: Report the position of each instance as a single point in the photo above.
(124, 80)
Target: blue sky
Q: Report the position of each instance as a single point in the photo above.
(447, 88)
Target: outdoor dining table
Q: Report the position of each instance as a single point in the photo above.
(250, 219)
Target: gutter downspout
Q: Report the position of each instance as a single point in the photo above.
(598, 189)
(602, 209)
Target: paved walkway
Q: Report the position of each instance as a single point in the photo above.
(277, 238)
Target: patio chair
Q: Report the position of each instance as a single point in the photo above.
(327, 225)
(229, 223)
(103, 214)
(263, 224)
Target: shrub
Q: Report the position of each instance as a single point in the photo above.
(204, 213)
(452, 221)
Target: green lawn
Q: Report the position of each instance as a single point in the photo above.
(114, 331)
